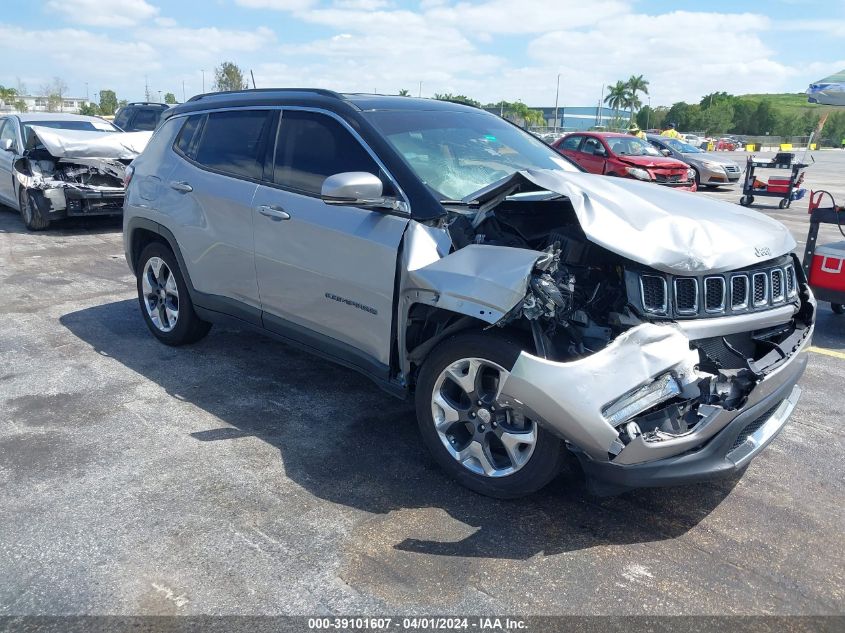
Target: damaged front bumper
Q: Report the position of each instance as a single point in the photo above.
(579, 401)
(62, 202)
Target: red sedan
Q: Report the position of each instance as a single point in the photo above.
(625, 156)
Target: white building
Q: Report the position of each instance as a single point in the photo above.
(34, 103)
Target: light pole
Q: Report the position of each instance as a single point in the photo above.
(419, 94)
(202, 70)
(557, 94)
(648, 115)
(159, 96)
(183, 91)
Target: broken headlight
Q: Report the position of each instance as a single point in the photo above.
(635, 402)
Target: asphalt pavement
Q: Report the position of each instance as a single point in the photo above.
(240, 476)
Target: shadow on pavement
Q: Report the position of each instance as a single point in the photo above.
(347, 442)
(11, 222)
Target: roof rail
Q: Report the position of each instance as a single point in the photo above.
(319, 91)
(146, 103)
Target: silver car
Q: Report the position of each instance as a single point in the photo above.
(529, 309)
(55, 165)
(711, 170)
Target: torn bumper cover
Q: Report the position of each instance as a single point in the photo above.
(589, 401)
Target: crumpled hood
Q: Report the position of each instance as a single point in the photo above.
(671, 231)
(85, 144)
(653, 161)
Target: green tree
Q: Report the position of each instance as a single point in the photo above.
(404, 93)
(169, 97)
(649, 118)
(519, 113)
(20, 105)
(228, 76)
(684, 116)
(717, 118)
(636, 84)
(89, 109)
(7, 95)
(108, 102)
(457, 99)
(122, 103)
(618, 97)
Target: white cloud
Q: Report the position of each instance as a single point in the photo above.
(165, 22)
(726, 53)
(106, 13)
(526, 16)
(206, 44)
(279, 5)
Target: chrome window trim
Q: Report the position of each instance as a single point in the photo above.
(744, 304)
(665, 306)
(782, 296)
(694, 309)
(721, 307)
(765, 300)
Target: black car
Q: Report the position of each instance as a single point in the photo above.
(139, 117)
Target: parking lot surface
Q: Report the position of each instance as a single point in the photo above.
(239, 476)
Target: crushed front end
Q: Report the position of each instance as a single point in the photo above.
(694, 391)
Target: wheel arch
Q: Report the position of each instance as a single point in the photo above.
(426, 326)
(140, 232)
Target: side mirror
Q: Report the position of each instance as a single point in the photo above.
(666, 152)
(8, 145)
(353, 188)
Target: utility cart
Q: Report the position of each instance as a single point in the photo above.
(786, 185)
(824, 265)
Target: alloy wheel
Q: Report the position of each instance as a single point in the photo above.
(482, 430)
(161, 294)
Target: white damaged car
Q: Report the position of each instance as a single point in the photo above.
(530, 309)
(55, 165)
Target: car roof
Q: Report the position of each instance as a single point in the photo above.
(315, 97)
(31, 117)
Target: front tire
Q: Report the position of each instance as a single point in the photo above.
(837, 308)
(32, 217)
(163, 296)
(479, 438)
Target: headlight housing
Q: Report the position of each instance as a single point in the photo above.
(713, 166)
(635, 402)
(690, 174)
(639, 174)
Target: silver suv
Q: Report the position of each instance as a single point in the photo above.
(532, 310)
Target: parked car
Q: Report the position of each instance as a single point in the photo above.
(530, 309)
(728, 144)
(711, 170)
(694, 140)
(139, 117)
(625, 156)
(57, 165)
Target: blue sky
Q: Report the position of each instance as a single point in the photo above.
(487, 49)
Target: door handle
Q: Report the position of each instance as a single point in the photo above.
(277, 214)
(182, 187)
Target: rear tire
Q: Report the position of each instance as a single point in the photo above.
(837, 308)
(482, 441)
(164, 300)
(32, 217)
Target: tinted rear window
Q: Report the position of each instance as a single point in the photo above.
(186, 134)
(235, 142)
(146, 119)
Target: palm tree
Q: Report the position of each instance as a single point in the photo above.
(636, 84)
(617, 97)
(404, 93)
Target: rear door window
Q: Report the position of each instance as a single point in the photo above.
(311, 147)
(235, 142)
(186, 135)
(7, 131)
(571, 143)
